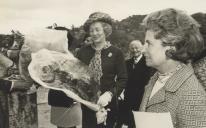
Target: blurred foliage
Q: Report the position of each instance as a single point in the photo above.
(125, 31)
(129, 29)
(201, 19)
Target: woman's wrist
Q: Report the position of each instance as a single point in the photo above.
(110, 93)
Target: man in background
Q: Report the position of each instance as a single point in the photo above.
(138, 76)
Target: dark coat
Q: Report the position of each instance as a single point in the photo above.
(5, 85)
(138, 76)
(59, 99)
(113, 67)
(113, 79)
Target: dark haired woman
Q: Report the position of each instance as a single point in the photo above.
(172, 41)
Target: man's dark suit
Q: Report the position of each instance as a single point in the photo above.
(5, 87)
(138, 76)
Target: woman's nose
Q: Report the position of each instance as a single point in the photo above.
(93, 33)
(134, 50)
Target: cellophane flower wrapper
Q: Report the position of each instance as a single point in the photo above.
(62, 71)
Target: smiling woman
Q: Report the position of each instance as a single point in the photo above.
(108, 65)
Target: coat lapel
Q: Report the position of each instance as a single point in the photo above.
(148, 90)
(159, 97)
(172, 85)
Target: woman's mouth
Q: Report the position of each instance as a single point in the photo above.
(95, 38)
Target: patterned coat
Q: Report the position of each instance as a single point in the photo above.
(183, 96)
(200, 70)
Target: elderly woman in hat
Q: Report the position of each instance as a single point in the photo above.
(172, 40)
(108, 65)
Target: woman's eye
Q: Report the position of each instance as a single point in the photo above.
(94, 30)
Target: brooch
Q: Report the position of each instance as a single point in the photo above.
(110, 54)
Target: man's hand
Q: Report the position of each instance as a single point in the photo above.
(104, 99)
(21, 85)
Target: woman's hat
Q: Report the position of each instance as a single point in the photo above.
(97, 16)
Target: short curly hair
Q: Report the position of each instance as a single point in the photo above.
(176, 29)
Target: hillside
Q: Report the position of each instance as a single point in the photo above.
(124, 31)
(129, 29)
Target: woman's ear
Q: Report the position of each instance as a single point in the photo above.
(170, 51)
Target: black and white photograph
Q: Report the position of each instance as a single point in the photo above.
(102, 64)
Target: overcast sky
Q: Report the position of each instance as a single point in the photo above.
(24, 15)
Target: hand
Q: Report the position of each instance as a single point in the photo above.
(101, 116)
(21, 85)
(104, 99)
